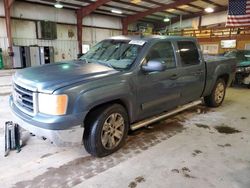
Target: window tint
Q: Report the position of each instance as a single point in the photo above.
(189, 53)
(163, 52)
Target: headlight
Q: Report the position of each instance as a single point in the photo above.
(52, 104)
(247, 69)
(240, 69)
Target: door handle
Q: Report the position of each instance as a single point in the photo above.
(199, 72)
(173, 77)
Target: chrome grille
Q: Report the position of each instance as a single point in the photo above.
(24, 99)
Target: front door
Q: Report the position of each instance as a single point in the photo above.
(158, 91)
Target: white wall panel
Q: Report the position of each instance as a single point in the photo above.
(1, 8)
(3, 32)
(23, 29)
(214, 18)
(101, 34)
(103, 21)
(88, 35)
(39, 12)
(66, 32)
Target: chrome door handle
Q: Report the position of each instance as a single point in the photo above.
(200, 72)
(173, 77)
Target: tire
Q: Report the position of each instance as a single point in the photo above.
(106, 129)
(217, 96)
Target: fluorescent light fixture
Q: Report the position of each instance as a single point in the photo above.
(116, 11)
(166, 19)
(135, 1)
(58, 5)
(209, 10)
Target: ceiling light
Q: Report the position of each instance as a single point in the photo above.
(209, 10)
(135, 1)
(116, 11)
(58, 5)
(166, 19)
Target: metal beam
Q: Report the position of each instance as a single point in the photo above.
(84, 11)
(163, 4)
(195, 15)
(130, 4)
(80, 14)
(7, 6)
(79, 30)
(131, 19)
(201, 13)
(195, 6)
(213, 3)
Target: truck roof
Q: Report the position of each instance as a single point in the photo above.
(150, 38)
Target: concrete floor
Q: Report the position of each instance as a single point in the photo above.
(188, 150)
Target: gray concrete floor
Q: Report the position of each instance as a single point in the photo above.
(187, 150)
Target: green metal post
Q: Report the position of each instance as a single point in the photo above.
(1, 59)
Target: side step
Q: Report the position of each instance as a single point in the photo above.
(153, 119)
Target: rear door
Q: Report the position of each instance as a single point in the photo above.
(192, 71)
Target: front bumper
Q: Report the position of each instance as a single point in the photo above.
(242, 78)
(61, 130)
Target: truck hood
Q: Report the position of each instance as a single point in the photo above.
(48, 78)
(243, 64)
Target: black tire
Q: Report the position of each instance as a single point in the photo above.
(213, 100)
(96, 125)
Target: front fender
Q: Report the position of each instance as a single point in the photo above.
(87, 100)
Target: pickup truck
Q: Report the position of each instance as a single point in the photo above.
(242, 75)
(121, 84)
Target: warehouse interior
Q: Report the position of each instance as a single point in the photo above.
(199, 147)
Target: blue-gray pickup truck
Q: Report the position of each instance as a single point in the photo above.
(121, 84)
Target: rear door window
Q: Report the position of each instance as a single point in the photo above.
(189, 53)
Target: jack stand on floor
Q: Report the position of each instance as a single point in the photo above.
(12, 137)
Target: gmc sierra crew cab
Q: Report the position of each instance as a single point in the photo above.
(121, 84)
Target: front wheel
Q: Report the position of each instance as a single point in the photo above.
(217, 96)
(106, 130)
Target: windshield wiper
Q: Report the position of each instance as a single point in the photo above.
(86, 60)
(107, 64)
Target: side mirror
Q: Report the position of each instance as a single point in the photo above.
(153, 66)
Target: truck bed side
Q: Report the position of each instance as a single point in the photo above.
(216, 67)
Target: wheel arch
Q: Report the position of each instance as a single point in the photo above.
(122, 102)
(225, 77)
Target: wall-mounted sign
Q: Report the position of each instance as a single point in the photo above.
(228, 44)
(85, 48)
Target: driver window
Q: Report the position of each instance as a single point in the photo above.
(163, 52)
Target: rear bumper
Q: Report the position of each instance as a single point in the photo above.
(62, 131)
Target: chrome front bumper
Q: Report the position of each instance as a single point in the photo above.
(63, 138)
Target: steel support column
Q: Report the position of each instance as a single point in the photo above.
(124, 26)
(200, 20)
(79, 31)
(7, 6)
(80, 14)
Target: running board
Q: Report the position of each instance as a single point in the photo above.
(148, 121)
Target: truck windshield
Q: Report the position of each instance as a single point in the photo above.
(118, 54)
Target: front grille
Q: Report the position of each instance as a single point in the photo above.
(24, 99)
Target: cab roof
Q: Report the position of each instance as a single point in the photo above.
(150, 38)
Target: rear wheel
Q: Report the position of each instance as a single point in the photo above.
(217, 96)
(106, 130)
